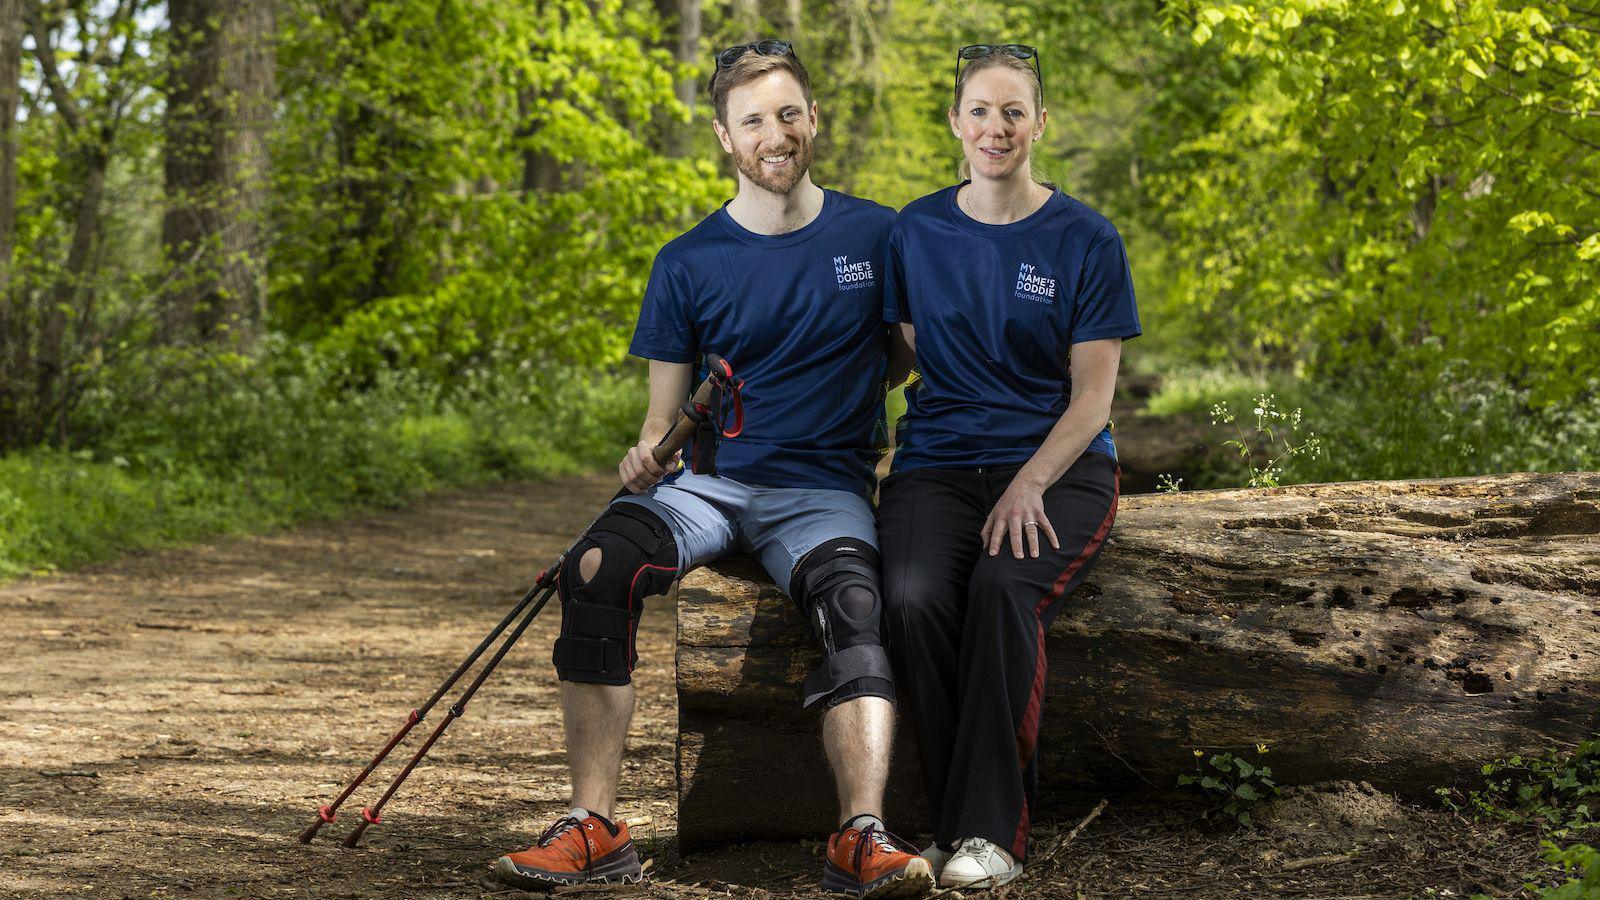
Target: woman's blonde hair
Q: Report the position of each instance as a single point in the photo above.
(991, 61)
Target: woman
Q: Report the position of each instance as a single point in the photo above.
(1015, 299)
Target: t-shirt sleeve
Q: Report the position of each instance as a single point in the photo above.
(1105, 307)
(896, 306)
(666, 327)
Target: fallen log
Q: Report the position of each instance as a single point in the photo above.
(1399, 633)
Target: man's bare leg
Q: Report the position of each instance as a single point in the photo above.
(596, 718)
(858, 735)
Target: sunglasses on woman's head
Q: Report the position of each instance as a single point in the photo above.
(730, 55)
(979, 51)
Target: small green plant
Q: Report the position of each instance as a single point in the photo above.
(1558, 792)
(1275, 434)
(1233, 783)
(1166, 484)
(1580, 860)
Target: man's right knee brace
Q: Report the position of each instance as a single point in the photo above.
(600, 616)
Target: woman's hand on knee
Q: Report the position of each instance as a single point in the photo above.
(1019, 515)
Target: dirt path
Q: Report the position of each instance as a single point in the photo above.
(217, 694)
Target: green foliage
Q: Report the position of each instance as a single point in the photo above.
(1578, 859)
(230, 443)
(1333, 187)
(410, 231)
(1395, 423)
(1231, 782)
(1558, 792)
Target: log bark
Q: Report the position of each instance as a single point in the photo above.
(1400, 633)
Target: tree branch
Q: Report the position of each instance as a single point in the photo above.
(46, 55)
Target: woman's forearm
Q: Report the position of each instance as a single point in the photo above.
(1086, 415)
(1094, 380)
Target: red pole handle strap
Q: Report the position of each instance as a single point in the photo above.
(738, 409)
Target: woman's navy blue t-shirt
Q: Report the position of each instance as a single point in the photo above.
(997, 309)
(799, 316)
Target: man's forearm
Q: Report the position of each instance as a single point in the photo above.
(654, 429)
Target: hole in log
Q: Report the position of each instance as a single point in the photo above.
(1458, 596)
(1565, 689)
(1411, 598)
(1383, 670)
(1506, 675)
(1306, 638)
(1475, 682)
(1361, 661)
(1496, 600)
(1367, 589)
(1341, 598)
(1538, 695)
(1357, 632)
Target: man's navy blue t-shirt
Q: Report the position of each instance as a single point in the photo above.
(997, 309)
(799, 316)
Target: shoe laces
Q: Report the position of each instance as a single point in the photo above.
(974, 847)
(562, 827)
(878, 839)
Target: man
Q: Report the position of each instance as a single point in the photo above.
(784, 281)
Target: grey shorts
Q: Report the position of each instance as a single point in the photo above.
(712, 516)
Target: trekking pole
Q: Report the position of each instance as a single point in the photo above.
(694, 412)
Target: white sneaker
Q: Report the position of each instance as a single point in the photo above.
(978, 864)
(936, 859)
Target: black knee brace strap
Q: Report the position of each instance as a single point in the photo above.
(836, 588)
(599, 617)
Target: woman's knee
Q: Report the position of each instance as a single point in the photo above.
(994, 581)
(914, 601)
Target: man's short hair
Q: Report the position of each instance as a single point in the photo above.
(748, 68)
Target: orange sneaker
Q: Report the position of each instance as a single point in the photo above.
(574, 851)
(872, 863)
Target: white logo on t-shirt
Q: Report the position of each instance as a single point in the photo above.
(1033, 286)
(853, 275)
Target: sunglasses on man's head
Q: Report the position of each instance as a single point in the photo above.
(730, 55)
(979, 51)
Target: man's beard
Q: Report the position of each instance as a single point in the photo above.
(777, 182)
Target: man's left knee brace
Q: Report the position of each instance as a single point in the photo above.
(836, 588)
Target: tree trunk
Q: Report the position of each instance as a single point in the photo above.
(681, 19)
(10, 92)
(1397, 632)
(219, 106)
(540, 171)
(747, 19)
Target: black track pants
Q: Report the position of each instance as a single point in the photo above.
(966, 633)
